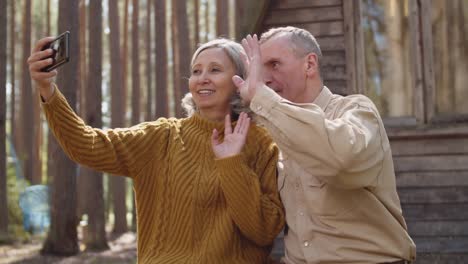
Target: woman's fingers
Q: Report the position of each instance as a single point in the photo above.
(38, 75)
(39, 55)
(227, 125)
(239, 123)
(38, 65)
(215, 137)
(41, 43)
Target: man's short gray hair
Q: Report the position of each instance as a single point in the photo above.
(235, 52)
(303, 42)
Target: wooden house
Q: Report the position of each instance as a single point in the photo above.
(411, 58)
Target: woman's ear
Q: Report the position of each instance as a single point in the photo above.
(312, 64)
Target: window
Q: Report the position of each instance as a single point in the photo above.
(449, 23)
(387, 56)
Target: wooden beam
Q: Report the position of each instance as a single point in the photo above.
(428, 61)
(432, 212)
(348, 25)
(425, 179)
(440, 195)
(416, 62)
(306, 15)
(431, 163)
(289, 4)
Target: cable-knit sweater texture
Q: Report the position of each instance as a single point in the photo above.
(191, 207)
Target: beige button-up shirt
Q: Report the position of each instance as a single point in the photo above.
(336, 180)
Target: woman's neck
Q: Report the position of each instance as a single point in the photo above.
(214, 115)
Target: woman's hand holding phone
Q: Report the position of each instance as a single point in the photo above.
(37, 61)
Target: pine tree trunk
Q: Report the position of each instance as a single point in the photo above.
(196, 12)
(135, 65)
(96, 236)
(13, 123)
(117, 183)
(3, 174)
(181, 52)
(161, 59)
(125, 57)
(222, 21)
(148, 50)
(27, 121)
(62, 237)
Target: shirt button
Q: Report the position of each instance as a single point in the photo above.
(301, 213)
(259, 108)
(306, 244)
(297, 186)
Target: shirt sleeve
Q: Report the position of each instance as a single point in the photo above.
(346, 151)
(252, 195)
(121, 151)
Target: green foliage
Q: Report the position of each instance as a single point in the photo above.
(15, 216)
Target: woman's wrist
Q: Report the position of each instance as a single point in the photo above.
(46, 91)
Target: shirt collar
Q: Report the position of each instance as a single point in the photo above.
(323, 98)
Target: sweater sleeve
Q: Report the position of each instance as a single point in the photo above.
(252, 195)
(121, 151)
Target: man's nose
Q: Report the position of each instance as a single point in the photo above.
(267, 77)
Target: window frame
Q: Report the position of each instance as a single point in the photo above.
(422, 67)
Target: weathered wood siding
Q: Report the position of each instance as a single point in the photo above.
(432, 181)
(324, 19)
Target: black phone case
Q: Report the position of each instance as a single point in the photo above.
(66, 52)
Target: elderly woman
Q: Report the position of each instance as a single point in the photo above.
(205, 192)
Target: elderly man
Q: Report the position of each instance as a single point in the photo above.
(336, 173)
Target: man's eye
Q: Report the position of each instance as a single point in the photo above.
(275, 64)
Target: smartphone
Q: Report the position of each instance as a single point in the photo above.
(61, 51)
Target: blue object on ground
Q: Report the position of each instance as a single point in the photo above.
(34, 203)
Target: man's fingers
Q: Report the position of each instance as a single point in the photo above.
(246, 46)
(40, 43)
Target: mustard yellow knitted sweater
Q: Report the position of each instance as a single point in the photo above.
(191, 207)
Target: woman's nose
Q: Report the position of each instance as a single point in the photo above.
(202, 78)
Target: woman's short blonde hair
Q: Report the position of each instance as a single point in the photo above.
(235, 52)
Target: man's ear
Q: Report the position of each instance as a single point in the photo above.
(312, 66)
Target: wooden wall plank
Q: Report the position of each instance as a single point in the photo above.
(438, 228)
(337, 86)
(430, 211)
(282, 17)
(335, 43)
(348, 25)
(416, 62)
(288, 4)
(323, 29)
(431, 163)
(433, 195)
(333, 58)
(333, 73)
(437, 258)
(441, 244)
(432, 179)
(429, 146)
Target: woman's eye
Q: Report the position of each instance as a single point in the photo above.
(215, 70)
(195, 72)
(275, 64)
